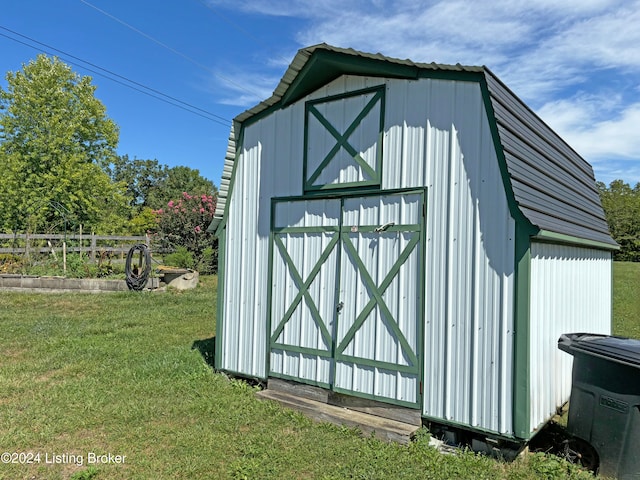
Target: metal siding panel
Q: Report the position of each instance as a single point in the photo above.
(262, 171)
(305, 249)
(469, 266)
(374, 340)
(239, 330)
(570, 292)
(404, 139)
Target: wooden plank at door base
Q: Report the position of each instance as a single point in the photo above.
(380, 409)
(383, 428)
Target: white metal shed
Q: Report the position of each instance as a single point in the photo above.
(410, 233)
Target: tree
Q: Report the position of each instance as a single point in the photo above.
(182, 227)
(621, 205)
(152, 185)
(140, 177)
(179, 179)
(55, 141)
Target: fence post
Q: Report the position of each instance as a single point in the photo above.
(93, 246)
(26, 245)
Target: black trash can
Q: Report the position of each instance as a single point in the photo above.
(604, 409)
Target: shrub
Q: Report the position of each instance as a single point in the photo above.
(10, 263)
(184, 224)
(180, 258)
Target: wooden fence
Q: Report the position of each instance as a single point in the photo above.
(95, 245)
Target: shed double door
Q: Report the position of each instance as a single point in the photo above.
(346, 294)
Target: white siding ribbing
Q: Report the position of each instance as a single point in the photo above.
(304, 249)
(436, 135)
(374, 340)
(570, 293)
(263, 171)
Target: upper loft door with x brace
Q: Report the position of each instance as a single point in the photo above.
(346, 294)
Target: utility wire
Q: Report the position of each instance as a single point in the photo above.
(154, 93)
(171, 49)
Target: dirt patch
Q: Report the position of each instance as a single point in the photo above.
(555, 439)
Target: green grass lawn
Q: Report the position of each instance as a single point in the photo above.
(626, 299)
(122, 374)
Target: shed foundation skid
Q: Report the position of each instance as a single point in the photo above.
(387, 422)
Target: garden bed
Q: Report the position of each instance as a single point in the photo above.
(63, 284)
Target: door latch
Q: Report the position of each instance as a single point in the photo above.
(340, 307)
(382, 228)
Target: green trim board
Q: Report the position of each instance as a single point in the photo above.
(553, 237)
(355, 393)
(371, 175)
(521, 378)
(324, 67)
(222, 251)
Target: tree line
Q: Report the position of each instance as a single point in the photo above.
(621, 205)
(59, 168)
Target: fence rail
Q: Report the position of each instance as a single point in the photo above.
(27, 243)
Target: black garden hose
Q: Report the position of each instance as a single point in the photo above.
(137, 275)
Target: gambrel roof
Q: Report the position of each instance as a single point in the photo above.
(550, 186)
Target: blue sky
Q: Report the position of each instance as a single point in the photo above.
(576, 63)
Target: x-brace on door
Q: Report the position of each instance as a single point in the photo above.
(346, 294)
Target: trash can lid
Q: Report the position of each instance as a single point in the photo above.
(618, 349)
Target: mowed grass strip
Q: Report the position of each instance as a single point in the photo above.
(118, 374)
(626, 299)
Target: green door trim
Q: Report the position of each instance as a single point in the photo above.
(342, 140)
(341, 233)
(303, 287)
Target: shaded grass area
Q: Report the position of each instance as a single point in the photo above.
(127, 374)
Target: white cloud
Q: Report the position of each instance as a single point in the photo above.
(568, 60)
(242, 89)
(603, 130)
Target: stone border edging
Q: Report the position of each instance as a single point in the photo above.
(62, 284)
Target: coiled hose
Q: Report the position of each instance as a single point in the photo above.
(137, 275)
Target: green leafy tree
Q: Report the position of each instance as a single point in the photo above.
(184, 179)
(55, 141)
(621, 205)
(150, 184)
(140, 178)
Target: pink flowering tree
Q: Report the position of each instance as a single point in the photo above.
(182, 227)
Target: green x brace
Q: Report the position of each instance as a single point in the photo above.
(376, 299)
(303, 292)
(342, 141)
